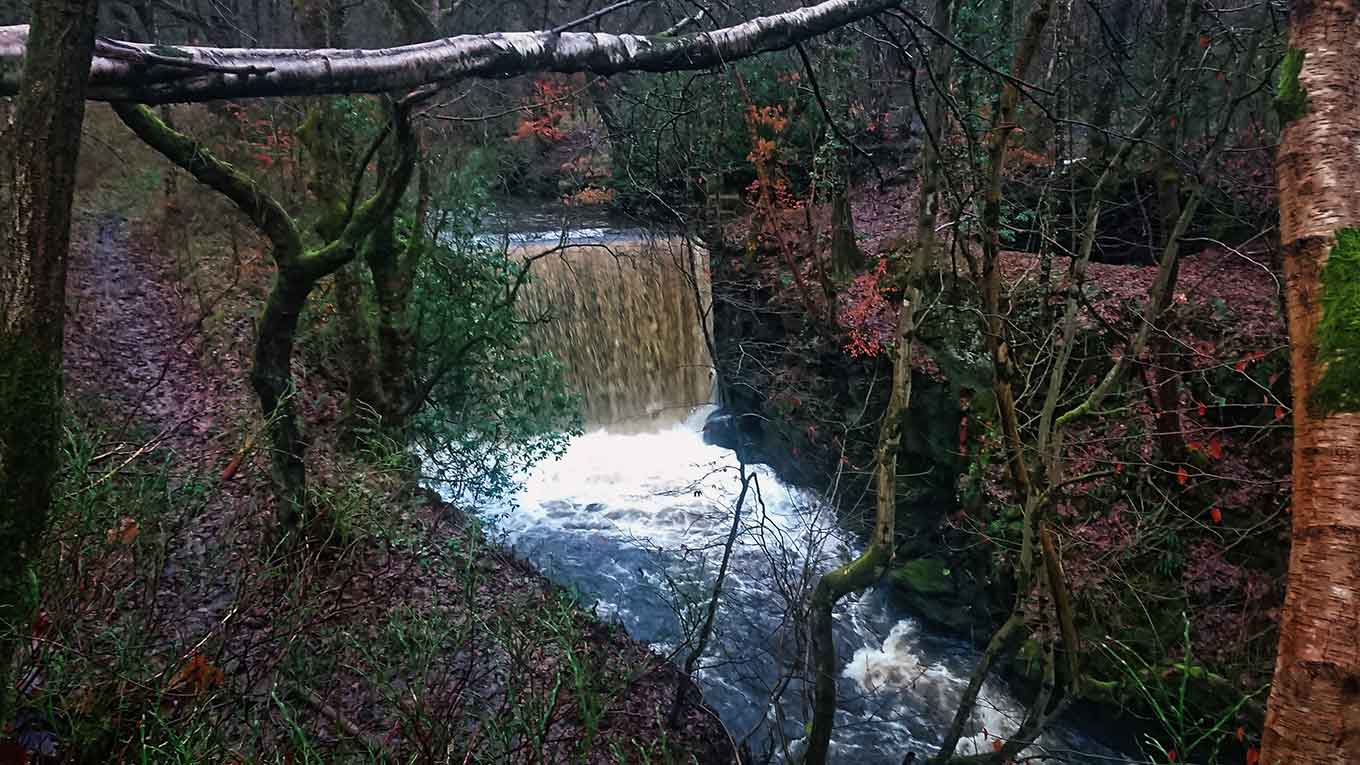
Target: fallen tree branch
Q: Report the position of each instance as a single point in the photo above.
(125, 71)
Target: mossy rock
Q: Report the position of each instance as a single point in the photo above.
(926, 576)
(928, 587)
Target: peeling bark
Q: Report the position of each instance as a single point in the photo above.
(123, 71)
(1313, 715)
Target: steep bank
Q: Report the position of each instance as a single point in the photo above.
(1177, 504)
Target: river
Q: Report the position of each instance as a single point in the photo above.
(633, 517)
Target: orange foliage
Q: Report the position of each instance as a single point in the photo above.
(546, 110)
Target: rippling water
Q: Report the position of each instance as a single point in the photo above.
(634, 515)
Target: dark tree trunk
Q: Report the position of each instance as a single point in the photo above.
(38, 189)
(273, 381)
(846, 257)
(1165, 367)
(393, 274)
(360, 375)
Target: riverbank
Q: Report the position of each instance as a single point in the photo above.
(174, 628)
(1177, 506)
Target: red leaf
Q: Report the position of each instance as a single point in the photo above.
(1253, 756)
(11, 753)
(1242, 365)
(1215, 448)
(1279, 413)
(1216, 516)
(1118, 467)
(1203, 410)
(1182, 475)
(230, 470)
(1171, 756)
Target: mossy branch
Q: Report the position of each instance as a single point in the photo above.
(185, 152)
(376, 209)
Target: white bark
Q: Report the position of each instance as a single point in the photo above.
(154, 74)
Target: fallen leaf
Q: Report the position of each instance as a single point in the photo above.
(230, 470)
(124, 533)
(1182, 475)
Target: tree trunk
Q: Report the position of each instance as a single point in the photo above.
(361, 376)
(392, 267)
(862, 571)
(298, 271)
(1313, 715)
(1003, 125)
(846, 257)
(272, 378)
(40, 183)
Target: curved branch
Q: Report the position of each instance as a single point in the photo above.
(254, 72)
(379, 207)
(218, 175)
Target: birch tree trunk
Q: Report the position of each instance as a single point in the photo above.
(1313, 715)
(38, 188)
(150, 74)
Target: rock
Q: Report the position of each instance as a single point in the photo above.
(925, 576)
(930, 588)
(720, 429)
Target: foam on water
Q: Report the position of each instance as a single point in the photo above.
(620, 516)
(635, 518)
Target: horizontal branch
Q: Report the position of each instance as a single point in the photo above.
(155, 74)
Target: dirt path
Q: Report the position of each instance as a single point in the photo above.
(133, 350)
(139, 360)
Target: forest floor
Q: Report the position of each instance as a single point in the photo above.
(175, 628)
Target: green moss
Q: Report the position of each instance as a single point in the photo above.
(926, 576)
(1338, 333)
(1291, 100)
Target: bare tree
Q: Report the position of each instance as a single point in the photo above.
(150, 74)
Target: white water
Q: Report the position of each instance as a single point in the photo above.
(632, 520)
(634, 515)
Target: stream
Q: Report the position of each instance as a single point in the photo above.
(633, 519)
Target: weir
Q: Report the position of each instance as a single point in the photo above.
(634, 514)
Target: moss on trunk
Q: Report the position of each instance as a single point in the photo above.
(1338, 331)
(38, 189)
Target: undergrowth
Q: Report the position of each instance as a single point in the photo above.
(393, 633)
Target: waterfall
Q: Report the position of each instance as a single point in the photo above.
(631, 517)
